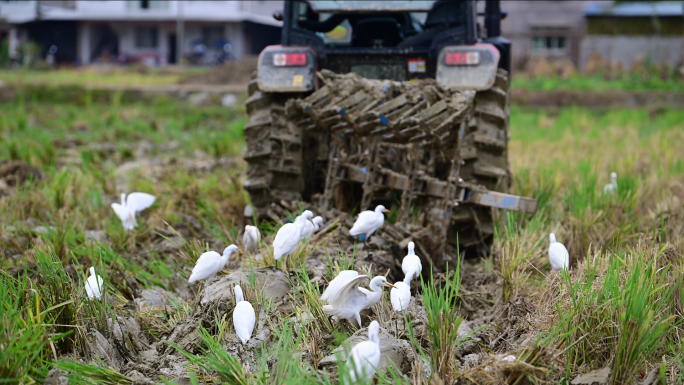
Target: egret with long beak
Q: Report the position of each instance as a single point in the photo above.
(287, 238)
(400, 297)
(210, 263)
(346, 299)
(369, 222)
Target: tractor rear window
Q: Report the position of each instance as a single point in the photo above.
(386, 28)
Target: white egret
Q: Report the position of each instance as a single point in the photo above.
(368, 222)
(311, 227)
(94, 285)
(346, 299)
(611, 187)
(244, 317)
(251, 238)
(287, 238)
(558, 254)
(400, 297)
(210, 263)
(130, 205)
(411, 266)
(365, 356)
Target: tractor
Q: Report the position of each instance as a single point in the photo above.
(401, 103)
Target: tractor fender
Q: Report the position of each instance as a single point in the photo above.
(277, 73)
(468, 67)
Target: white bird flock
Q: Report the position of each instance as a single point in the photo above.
(251, 239)
(365, 356)
(94, 285)
(558, 254)
(244, 317)
(346, 299)
(130, 206)
(400, 297)
(611, 188)
(368, 222)
(210, 263)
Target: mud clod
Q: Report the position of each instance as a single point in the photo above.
(56, 377)
(271, 281)
(156, 297)
(100, 347)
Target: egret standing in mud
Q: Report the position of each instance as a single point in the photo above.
(558, 254)
(411, 266)
(251, 239)
(346, 299)
(94, 285)
(368, 222)
(287, 238)
(130, 205)
(311, 227)
(210, 263)
(611, 188)
(244, 317)
(365, 356)
(400, 297)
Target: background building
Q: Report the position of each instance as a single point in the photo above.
(125, 31)
(552, 29)
(630, 32)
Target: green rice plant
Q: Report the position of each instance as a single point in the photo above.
(620, 319)
(286, 370)
(92, 373)
(307, 296)
(517, 245)
(57, 292)
(24, 340)
(342, 262)
(443, 322)
(644, 321)
(598, 82)
(215, 359)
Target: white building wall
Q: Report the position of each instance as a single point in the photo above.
(628, 49)
(124, 16)
(18, 11)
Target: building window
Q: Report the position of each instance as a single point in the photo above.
(548, 43)
(146, 37)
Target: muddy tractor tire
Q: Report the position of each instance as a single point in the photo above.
(484, 152)
(274, 151)
(290, 145)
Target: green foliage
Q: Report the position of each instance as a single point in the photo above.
(215, 359)
(24, 341)
(92, 373)
(444, 320)
(628, 82)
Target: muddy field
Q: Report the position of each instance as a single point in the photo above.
(504, 318)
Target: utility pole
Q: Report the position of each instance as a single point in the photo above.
(180, 32)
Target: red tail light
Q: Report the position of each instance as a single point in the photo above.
(289, 59)
(462, 58)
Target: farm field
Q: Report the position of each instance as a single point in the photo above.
(63, 162)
